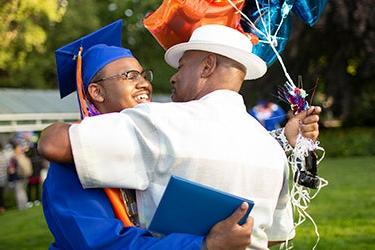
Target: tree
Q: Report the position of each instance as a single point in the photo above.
(23, 29)
(35, 67)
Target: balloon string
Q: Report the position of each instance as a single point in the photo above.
(278, 28)
(262, 20)
(281, 63)
(268, 34)
(268, 38)
(300, 195)
(246, 18)
(269, 18)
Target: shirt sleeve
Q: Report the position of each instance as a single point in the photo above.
(279, 136)
(282, 226)
(115, 150)
(83, 219)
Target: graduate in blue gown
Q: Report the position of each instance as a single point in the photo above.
(83, 218)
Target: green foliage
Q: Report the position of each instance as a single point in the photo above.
(29, 62)
(39, 68)
(23, 29)
(363, 109)
(344, 142)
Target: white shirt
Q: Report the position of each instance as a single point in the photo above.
(213, 141)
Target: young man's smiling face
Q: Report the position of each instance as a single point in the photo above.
(126, 91)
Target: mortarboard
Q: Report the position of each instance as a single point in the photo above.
(79, 61)
(98, 49)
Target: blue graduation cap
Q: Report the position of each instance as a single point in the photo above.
(79, 61)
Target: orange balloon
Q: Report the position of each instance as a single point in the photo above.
(175, 20)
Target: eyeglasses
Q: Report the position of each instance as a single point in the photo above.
(131, 75)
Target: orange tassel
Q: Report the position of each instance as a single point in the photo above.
(113, 194)
(80, 89)
(118, 206)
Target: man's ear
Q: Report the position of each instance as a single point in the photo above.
(209, 65)
(96, 92)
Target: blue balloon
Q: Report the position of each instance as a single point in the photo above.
(309, 10)
(273, 14)
(265, 51)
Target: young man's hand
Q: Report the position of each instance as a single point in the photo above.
(54, 143)
(228, 234)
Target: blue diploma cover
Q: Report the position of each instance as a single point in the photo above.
(189, 207)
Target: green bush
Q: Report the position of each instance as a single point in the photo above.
(344, 142)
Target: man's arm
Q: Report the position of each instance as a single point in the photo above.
(54, 143)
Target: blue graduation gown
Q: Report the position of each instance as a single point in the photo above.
(83, 218)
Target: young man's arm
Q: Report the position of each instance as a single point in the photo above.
(54, 143)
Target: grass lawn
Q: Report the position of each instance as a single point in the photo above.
(345, 209)
(344, 212)
(24, 230)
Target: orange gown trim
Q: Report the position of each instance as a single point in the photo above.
(115, 197)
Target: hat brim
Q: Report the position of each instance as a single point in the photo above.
(255, 66)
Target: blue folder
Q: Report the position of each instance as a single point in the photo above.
(189, 207)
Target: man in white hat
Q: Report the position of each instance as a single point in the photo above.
(207, 137)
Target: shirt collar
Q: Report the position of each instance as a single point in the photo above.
(223, 93)
(225, 97)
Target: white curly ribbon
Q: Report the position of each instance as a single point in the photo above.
(301, 196)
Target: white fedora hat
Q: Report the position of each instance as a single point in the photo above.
(222, 40)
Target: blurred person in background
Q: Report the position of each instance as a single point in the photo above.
(19, 169)
(269, 114)
(3, 177)
(34, 181)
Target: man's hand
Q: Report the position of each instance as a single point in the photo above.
(306, 122)
(228, 234)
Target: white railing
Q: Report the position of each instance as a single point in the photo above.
(33, 121)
